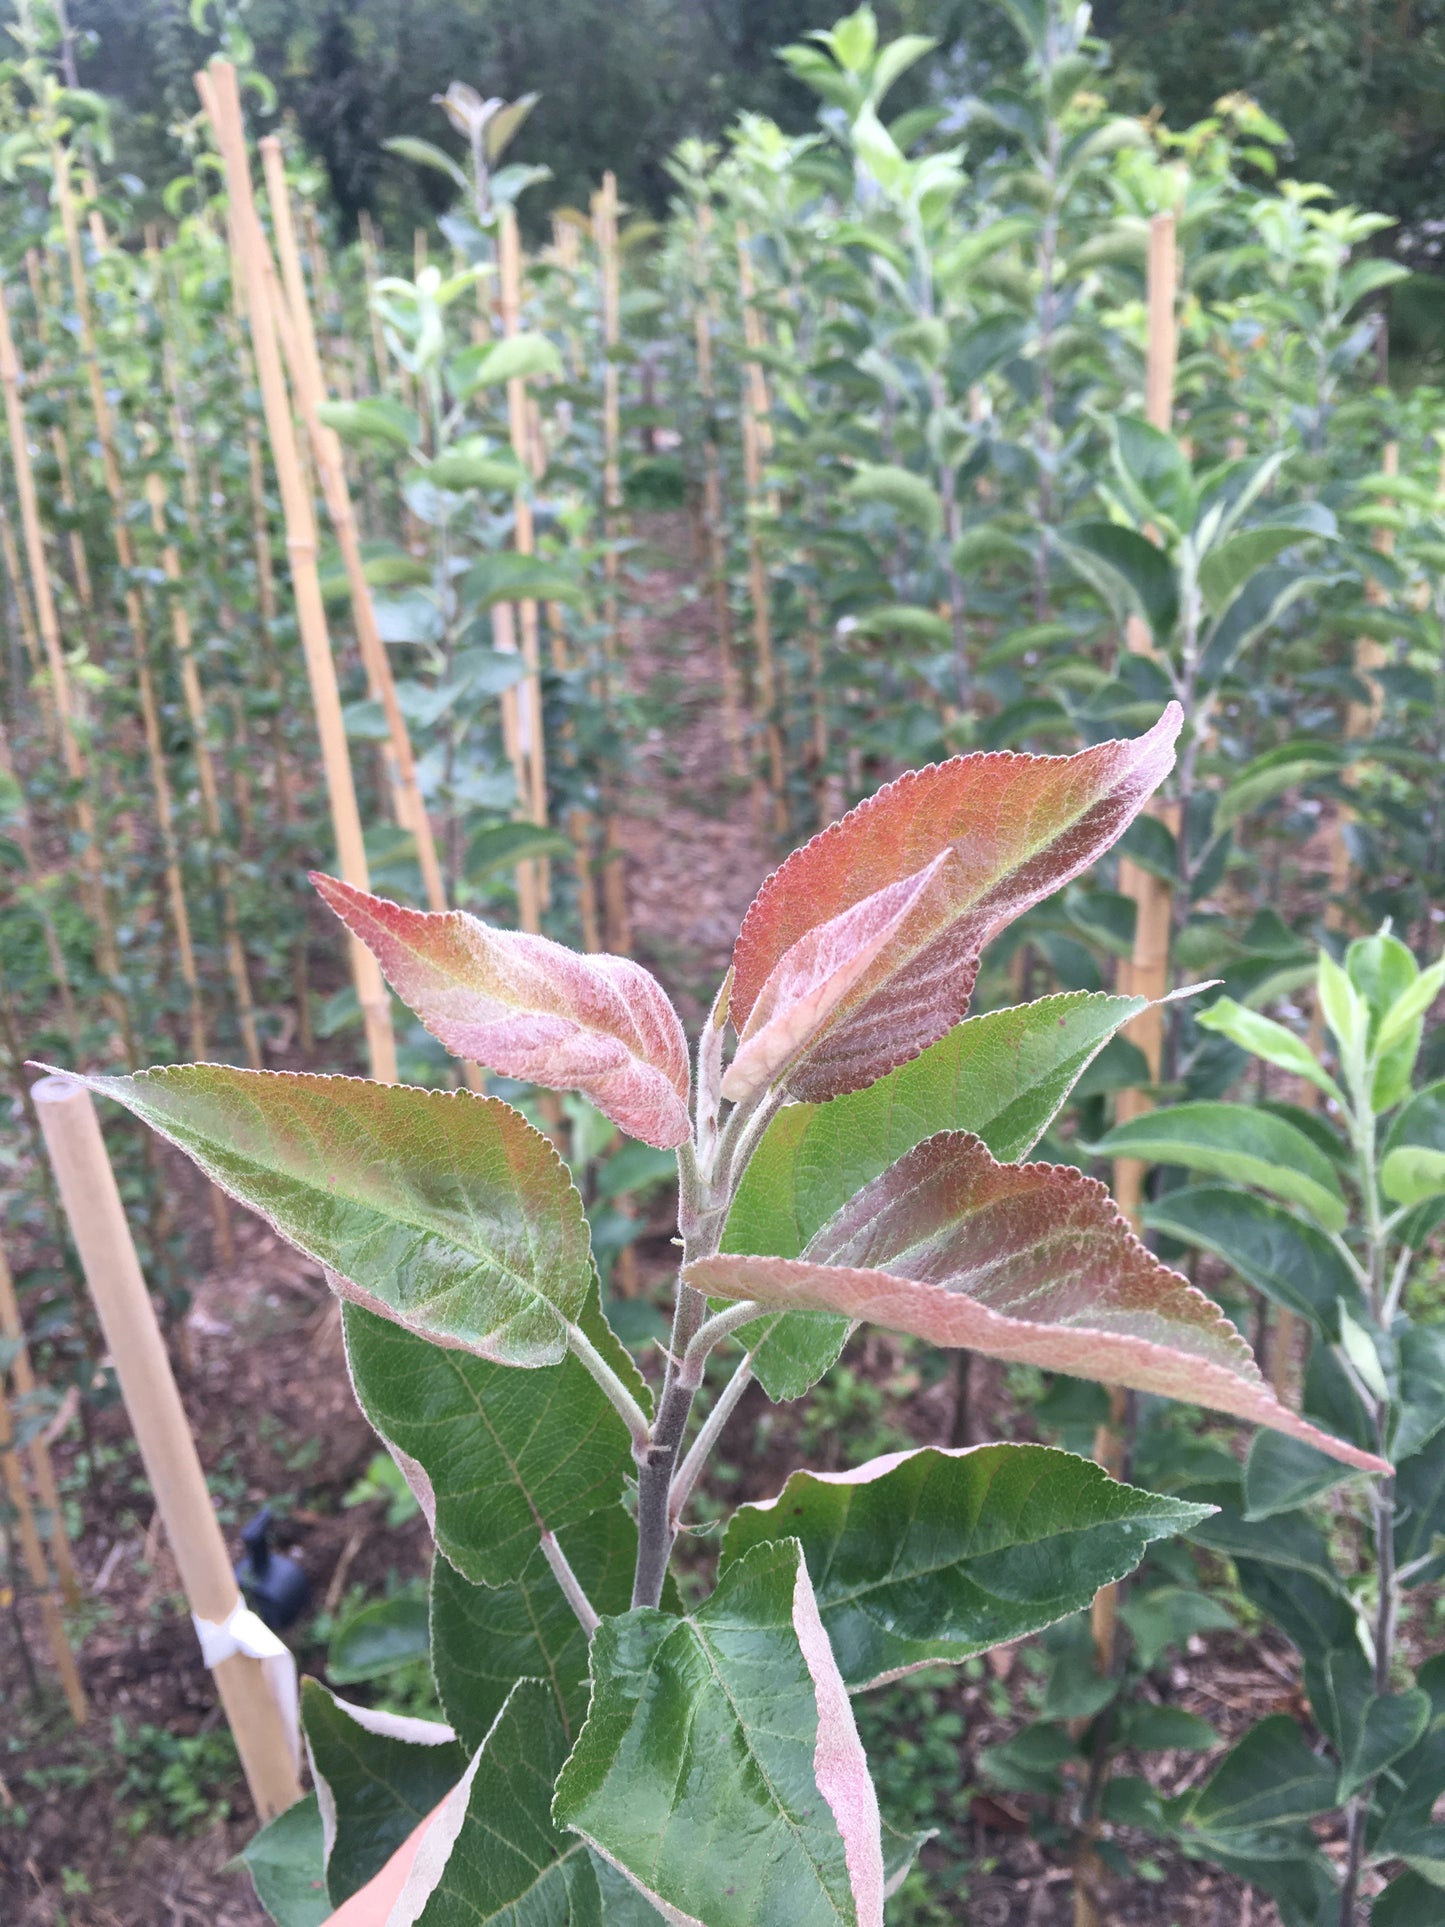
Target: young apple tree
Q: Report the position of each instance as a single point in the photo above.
(849, 1147)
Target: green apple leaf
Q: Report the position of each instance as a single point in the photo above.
(444, 1212)
(1239, 1142)
(486, 1638)
(1285, 1257)
(720, 1767)
(377, 1775)
(494, 1853)
(494, 1456)
(287, 1864)
(934, 1555)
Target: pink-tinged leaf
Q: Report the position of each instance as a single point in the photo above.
(1031, 1262)
(815, 975)
(533, 1009)
(840, 1766)
(983, 838)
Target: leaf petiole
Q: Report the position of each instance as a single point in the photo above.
(710, 1333)
(571, 1586)
(633, 1416)
(687, 1473)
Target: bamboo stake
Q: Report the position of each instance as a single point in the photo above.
(532, 744)
(60, 448)
(757, 444)
(1147, 974)
(53, 948)
(28, 633)
(158, 1418)
(221, 98)
(712, 498)
(206, 775)
(37, 1450)
(308, 384)
(33, 1553)
(107, 954)
(604, 230)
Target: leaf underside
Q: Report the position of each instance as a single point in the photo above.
(533, 1009)
(1030, 1262)
(862, 948)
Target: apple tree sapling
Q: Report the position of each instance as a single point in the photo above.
(848, 1148)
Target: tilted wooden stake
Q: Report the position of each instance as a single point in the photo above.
(158, 1418)
(221, 99)
(106, 953)
(37, 1451)
(712, 501)
(757, 445)
(308, 385)
(532, 744)
(1147, 972)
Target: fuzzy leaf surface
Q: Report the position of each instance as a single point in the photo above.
(936, 1555)
(533, 1009)
(1002, 1076)
(720, 1767)
(376, 1776)
(486, 1638)
(444, 1212)
(494, 1853)
(939, 861)
(1031, 1262)
(493, 1455)
(1235, 1141)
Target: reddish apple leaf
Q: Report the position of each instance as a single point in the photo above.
(1032, 1262)
(862, 949)
(443, 1212)
(531, 1008)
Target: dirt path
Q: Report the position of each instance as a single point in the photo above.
(695, 857)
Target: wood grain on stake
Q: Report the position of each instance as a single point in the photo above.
(221, 99)
(533, 887)
(168, 1452)
(106, 954)
(298, 341)
(1146, 973)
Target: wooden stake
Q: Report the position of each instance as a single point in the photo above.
(604, 230)
(206, 774)
(1147, 973)
(712, 500)
(107, 954)
(158, 1418)
(532, 743)
(37, 1451)
(757, 445)
(33, 1553)
(54, 950)
(308, 384)
(221, 99)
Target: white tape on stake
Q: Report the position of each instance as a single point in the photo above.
(243, 1633)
